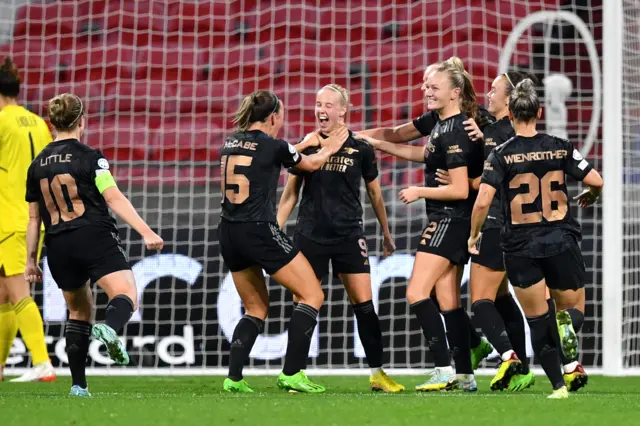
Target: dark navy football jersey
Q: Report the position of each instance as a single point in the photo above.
(250, 165)
(531, 171)
(62, 179)
(495, 134)
(330, 209)
(427, 121)
(449, 147)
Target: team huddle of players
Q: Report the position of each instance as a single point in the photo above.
(494, 190)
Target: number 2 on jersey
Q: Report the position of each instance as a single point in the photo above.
(231, 177)
(65, 205)
(538, 187)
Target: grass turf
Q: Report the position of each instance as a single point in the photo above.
(159, 401)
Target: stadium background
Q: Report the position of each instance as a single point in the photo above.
(161, 80)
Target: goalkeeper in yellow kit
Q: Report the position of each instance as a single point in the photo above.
(22, 136)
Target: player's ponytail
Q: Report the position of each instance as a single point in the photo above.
(256, 107)
(460, 79)
(65, 112)
(9, 79)
(524, 102)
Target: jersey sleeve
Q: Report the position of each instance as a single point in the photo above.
(369, 163)
(426, 122)
(493, 173)
(575, 165)
(456, 148)
(33, 187)
(288, 155)
(100, 173)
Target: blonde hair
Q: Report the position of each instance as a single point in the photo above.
(65, 111)
(460, 79)
(524, 102)
(344, 94)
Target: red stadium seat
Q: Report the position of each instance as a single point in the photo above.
(139, 15)
(317, 58)
(399, 56)
(208, 97)
(37, 61)
(188, 139)
(234, 62)
(120, 139)
(143, 96)
(103, 62)
(293, 20)
(166, 60)
(61, 19)
(90, 93)
(202, 17)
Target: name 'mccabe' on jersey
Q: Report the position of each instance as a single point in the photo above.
(449, 147)
(495, 134)
(531, 173)
(330, 209)
(62, 179)
(250, 165)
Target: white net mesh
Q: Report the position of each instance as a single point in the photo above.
(631, 123)
(162, 79)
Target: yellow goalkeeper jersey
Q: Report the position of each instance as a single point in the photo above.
(22, 136)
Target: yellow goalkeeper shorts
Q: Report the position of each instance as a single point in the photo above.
(13, 253)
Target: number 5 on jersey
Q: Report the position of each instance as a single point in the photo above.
(61, 198)
(231, 177)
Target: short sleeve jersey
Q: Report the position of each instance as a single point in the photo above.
(330, 208)
(449, 147)
(531, 173)
(427, 121)
(62, 180)
(495, 134)
(251, 162)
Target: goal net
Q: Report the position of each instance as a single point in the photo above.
(162, 79)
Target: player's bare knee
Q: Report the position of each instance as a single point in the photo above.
(257, 310)
(416, 293)
(312, 296)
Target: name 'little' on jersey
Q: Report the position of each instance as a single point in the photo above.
(531, 173)
(62, 179)
(330, 209)
(250, 165)
(449, 147)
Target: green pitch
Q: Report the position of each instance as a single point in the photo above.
(185, 401)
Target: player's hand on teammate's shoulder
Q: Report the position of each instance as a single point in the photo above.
(33, 273)
(153, 241)
(368, 139)
(310, 140)
(586, 198)
(336, 139)
(443, 177)
(472, 243)
(473, 130)
(409, 195)
(388, 246)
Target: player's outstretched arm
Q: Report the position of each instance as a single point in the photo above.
(377, 202)
(33, 273)
(479, 214)
(590, 196)
(289, 199)
(399, 134)
(458, 189)
(407, 152)
(125, 210)
(330, 146)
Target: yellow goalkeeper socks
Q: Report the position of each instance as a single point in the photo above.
(32, 329)
(8, 330)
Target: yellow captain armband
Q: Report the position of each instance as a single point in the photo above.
(104, 180)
